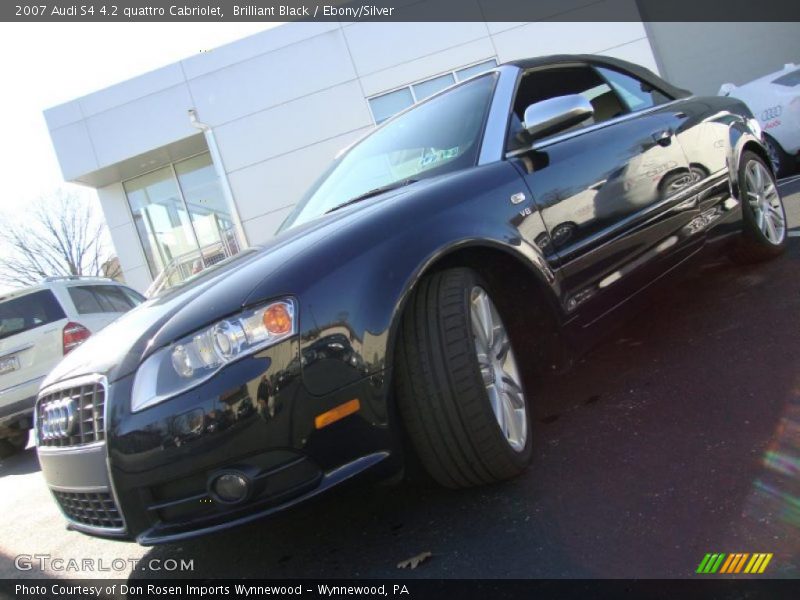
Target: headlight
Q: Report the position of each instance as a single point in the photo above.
(192, 360)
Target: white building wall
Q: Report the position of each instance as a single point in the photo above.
(729, 52)
(282, 103)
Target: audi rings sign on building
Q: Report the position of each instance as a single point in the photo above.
(59, 419)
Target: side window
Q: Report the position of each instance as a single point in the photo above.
(562, 81)
(636, 94)
(84, 300)
(133, 295)
(113, 298)
(100, 299)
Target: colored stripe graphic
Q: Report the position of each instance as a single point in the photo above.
(711, 563)
(741, 562)
(716, 565)
(729, 563)
(754, 563)
(702, 566)
(734, 563)
(765, 562)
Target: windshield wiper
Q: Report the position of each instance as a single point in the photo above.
(375, 192)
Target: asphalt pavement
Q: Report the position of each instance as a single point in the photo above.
(676, 437)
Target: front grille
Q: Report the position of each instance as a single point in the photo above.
(88, 423)
(96, 509)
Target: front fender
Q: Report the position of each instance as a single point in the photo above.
(353, 288)
(742, 136)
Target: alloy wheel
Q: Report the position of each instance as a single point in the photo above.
(765, 202)
(499, 369)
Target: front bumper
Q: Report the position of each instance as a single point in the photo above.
(16, 404)
(148, 478)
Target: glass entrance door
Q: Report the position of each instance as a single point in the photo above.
(210, 217)
(182, 219)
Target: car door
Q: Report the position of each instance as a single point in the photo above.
(609, 191)
(704, 133)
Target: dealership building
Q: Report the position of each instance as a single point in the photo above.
(203, 157)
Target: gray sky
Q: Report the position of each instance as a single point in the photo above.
(45, 64)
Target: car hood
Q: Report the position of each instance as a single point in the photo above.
(213, 294)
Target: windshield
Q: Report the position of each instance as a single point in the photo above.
(438, 136)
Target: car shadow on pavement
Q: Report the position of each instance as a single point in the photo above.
(645, 456)
(22, 463)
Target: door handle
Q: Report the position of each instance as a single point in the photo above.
(664, 137)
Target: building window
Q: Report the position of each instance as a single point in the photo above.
(182, 219)
(389, 104)
(468, 72)
(431, 86)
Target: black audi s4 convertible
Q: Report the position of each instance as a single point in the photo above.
(477, 239)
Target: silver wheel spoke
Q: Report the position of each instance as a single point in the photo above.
(498, 369)
(770, 232)
(514, 395)
(486, 368)
(759, 214)
(482, 311)
(752, 182)
(777, 227)
(497, 406)
(776, 214)
(502, 344)
(510, 420)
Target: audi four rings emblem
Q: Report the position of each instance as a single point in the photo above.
(773, 112)
(59, 418)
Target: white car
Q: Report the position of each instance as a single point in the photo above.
(774, 100)
(38, 326)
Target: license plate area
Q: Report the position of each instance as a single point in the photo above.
(8, 364)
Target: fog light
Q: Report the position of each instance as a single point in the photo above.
(230, 488)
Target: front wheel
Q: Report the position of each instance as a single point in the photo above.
(763, 215)
(459, 388)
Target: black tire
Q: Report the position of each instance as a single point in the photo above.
(20, 442)
(754, 245)
(782, 163)
(441, 394)
(6, 449)
(15, 444)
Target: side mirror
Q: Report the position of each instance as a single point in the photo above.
(554, 114)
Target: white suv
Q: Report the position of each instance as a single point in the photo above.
(38, 326)
(774, 100)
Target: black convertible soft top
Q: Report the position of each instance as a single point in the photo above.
(603, 61)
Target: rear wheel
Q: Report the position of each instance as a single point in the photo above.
(763, 215)
(459, 388)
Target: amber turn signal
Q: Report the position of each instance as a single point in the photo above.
(339, 412)
(277, 319)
